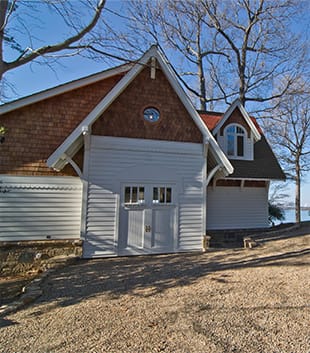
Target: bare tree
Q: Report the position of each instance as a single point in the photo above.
(179, 26)
(234, 48)
(289, 132)
(20, 22)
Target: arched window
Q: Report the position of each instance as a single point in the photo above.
(234, 136)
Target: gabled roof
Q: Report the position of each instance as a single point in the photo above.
(74, 141)
(66, 87)
(229, 111)
(212, 119)
(264, 166)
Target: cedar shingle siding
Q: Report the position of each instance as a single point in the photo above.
(124, 118)
(35, 131)
(236, 118)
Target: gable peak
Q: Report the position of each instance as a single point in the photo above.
(236, 104)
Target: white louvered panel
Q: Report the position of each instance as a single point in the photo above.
(191, 227)
(38, 208)
(100, 222)
(234, 207)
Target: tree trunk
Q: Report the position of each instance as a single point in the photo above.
(297, 195)
(3, 10)
(242, 85)
(201, 77)
(202, 85)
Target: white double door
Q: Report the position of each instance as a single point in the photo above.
(147, 219)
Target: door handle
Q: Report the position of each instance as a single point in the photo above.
(147, 228)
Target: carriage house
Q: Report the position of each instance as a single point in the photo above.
(123, 161)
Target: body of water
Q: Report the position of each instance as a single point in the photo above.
(290, 216)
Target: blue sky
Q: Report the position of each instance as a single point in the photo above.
(33, 78)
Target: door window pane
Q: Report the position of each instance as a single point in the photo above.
(155, 195)
(134, 194)
(127, 194)
(162, 195)
(168, 195)
(141, 194)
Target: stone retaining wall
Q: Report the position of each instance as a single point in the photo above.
(17, 258)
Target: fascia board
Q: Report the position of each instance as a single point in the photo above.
(256, 134)
(99, 109)
(182, 95)
(220, 156)
(55, 159)
(208, 137)
(37, 97)
(62, 161)
(229, 111)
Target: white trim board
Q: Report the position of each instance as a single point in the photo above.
(145, 145)
(66, 87)
(227, 114)
(56, 160)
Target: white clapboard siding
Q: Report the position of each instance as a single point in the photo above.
(38, 208)
(115, 162)
(101, 222)
(190, 222)
(236, 207)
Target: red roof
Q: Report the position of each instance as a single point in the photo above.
(211, 119)
(256, 125)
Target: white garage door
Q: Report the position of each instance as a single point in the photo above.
(237, 208)
(147, 219)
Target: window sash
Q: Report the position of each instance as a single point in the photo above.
(134, 195)
(162, 195)
(235, 136)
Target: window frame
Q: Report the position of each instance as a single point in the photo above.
(236, 140)
(151, 114)
(164, 191)
(138, 190)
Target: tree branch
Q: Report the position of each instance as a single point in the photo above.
(31, 54)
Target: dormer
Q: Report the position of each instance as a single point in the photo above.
(236, 133)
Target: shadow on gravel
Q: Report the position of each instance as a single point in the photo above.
(6, 322)
(11, 288)
(149, 275)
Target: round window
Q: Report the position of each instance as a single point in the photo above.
(151, 115)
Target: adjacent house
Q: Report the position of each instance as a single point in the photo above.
(123, 161)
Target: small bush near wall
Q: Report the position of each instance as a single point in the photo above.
(17, 258)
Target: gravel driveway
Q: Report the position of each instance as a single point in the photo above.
(254, 300)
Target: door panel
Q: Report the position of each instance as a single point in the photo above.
(135, 228)
(147, 221)
(162, 228)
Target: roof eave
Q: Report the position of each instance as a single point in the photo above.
(66, 87)
(229, 111)
(119, 88)
(208, 137)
